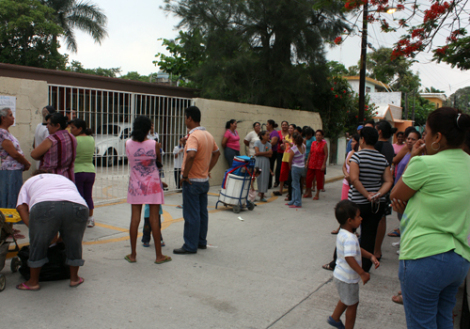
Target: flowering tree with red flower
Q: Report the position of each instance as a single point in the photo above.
(423, 20)
(339, 108)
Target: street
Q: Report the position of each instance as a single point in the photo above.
(262, 269)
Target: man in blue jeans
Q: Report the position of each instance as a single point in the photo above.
(200, 156)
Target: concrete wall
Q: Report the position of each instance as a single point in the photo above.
(216, 113)
(31, 97)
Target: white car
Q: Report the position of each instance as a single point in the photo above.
(110, 140)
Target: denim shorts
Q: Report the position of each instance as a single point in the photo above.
(49, 217)
(348, 292)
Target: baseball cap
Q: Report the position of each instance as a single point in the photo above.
(360, 127)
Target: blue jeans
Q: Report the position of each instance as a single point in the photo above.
(296, 197)
(49, 217)
(429, 286)
(195, 214)
(229, 154)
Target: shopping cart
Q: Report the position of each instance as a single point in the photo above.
(236, 185)
(7, 217)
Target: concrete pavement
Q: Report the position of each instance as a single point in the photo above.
(260, 272)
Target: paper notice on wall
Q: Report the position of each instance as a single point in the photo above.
(9, 101)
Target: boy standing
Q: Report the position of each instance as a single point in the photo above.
(348, 271)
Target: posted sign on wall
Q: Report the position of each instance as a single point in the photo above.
(9, 101)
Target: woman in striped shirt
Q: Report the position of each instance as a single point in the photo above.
(371, 179)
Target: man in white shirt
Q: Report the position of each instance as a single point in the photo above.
(41, 132)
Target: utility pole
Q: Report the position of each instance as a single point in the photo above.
(362, 72)
(413, 112)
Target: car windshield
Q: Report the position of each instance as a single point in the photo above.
(108, 130)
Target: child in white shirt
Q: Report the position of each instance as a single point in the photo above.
(348, 271)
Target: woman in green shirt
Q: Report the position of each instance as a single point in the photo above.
(433, 196)
(84, 167)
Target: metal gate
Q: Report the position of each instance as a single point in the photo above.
(110, 115)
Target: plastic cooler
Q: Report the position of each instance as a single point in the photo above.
(232, 193)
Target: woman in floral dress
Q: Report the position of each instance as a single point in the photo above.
(144, 185)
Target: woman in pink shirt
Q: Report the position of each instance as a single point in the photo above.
(231, 141)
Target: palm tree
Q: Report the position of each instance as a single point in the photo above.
(85, 16)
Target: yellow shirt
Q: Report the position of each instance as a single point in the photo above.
(286, 156)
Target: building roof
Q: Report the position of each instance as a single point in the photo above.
(373, 81)
(440, 96)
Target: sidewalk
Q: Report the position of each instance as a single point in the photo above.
(262, 269)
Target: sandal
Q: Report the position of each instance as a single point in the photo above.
(165, 260)
(398, 299)
(277, 193)
(327, 267)
(24, 286)
(394, 234)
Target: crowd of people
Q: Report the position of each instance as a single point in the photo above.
(294, 157)
(424, 179)
(56, 203)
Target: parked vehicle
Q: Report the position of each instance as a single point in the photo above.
(110, 143)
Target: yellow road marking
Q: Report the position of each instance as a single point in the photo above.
(124, 238)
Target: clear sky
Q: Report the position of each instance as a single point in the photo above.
(134, 28)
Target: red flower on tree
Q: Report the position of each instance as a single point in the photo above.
(338, 40)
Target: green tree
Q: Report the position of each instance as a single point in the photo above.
(26, 35)
(187, 53)
(353, 70)
(77, 67)
(460, 99)
(73, 14)
(337, 69)
(262, 52)
(395, 72)
(432, 90)
(134, 75)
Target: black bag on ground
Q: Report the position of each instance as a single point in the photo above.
(55, 270)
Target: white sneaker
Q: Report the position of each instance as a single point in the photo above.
(396, 244)
(91, 222)
(398, 252)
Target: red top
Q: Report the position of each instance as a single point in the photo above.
(317, 155)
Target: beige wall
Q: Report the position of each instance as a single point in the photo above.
(216, 113)
(31, 97)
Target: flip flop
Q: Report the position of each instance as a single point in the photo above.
(262, 200)
(398, 299)
(294, 206)
(80, 281)
(315, 198)
(394, 234)
(277, 193)
(24, 286)
(129, 259)
(145, 244)
(166, 260)
(327, 267)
